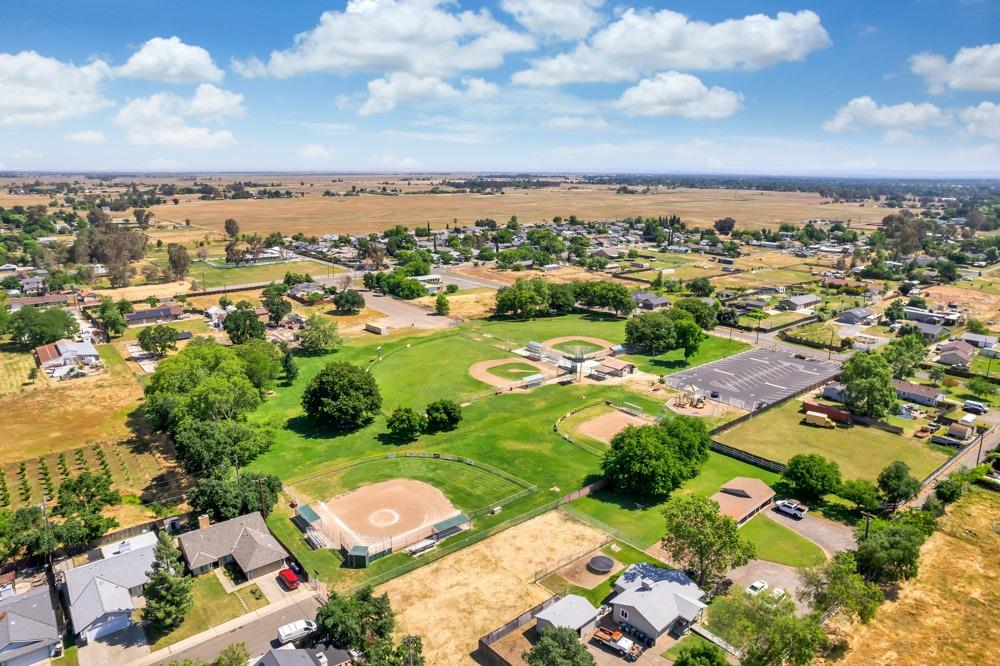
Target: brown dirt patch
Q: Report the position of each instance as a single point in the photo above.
(560, 275)
(481, 370)
(473, 304)
(606, 426)
(577, 573)
(460, 597)
(400, 511)
(982, 305)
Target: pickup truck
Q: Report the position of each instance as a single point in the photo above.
(625, 647)
(792, 507)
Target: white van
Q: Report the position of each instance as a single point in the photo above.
(975, 407)
(295, 630)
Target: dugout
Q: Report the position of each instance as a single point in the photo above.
(359, 557)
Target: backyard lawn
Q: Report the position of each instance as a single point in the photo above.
(212, 606)
(712, 349)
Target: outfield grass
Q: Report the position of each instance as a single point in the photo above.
(860, 451)
(712, 349)
(592, 324)
(212, 606)
(513, 371)
(777, 543)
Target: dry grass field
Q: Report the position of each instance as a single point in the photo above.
(560, 275)
(947, 614)
(982, 304)
(465, 303)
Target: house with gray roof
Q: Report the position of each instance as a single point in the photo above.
(101, 595)
(244, 541)
(572, 612)
(318, 656)
(979, 340)
(651, 601)
(799, 302)
(856, 316)
(29, 630)
(649, 301)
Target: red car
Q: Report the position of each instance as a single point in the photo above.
(289, 578)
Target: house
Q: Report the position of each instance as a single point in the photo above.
(911, 313)
(649, 301)
(46, 301)
(607, 253)
(29, 630)
(957, 353)
(322, 656)
(615, 366)
(742, 498)
(33, 286)
(262, 315)
(771, 289)
(678, 249)
(64, 353)
(856, 316)
(244, 541)
(799, 302)
(302, 291)
(571, 612)
(725, 295)
(922, 395)
(101, 595)
(432, 283)
(217, 314)
(158, 315)
(752, 304)
(981, 341)
(931, 332)
(654, 601)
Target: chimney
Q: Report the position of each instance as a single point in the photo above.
(203, 521)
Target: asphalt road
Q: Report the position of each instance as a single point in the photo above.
(259, 635)
(771, 341)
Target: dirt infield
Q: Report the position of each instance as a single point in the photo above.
(399, 510)
(454, 601)
(606, 426)
(583, 338)
(481, 370)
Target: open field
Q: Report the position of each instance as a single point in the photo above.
(479, 588)
(982, 300)
(15, 366)
(774, 276)
(772, 322)
(947, 614)
(712, 349)
(475, 303)
(560, 275)
(209, 277)
(860, 451)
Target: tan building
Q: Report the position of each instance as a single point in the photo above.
(743, 498)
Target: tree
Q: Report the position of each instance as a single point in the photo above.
(653, 460)
(836, 584)
(443, 415)
(981, 387)
(232, 228)
(949, 490)
(342, 396)
(812, 475)
(236, 654)
(651, 333)
(896, 310)
(350, 301)
(766, 628)
(521, 299)
(261, 362)
(558, 646)
(703, 313)
(891, 551)
(319, 336)
(441, 304)
(405, 424)
(277, 307)
(158, 339)
(701, 539)
(725, 226)
(212, 448)
(168, 592)
(222, 499)
(896, 483)
(243, 325)
(358, 621)
(36, 327)
(904, 354)
(288, 365)
(862, 492)
(111, 317)
(868, 386)
(688, 336)
(701, 653)
(700, 287)
(178, 261)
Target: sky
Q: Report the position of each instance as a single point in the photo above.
(885, 87)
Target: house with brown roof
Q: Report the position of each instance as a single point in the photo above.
(65, 353)
(918, 393)
(743, 497)
(957, 353)
(244, 541)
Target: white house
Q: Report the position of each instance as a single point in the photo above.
(651, 601)
(67, 352)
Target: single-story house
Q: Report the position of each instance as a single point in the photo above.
(217, 314)
(158, 315)
(29, 630)
(302, 291)
(46, 301)
(799, 302)
(834, 392)
(649, 301)
(752, 304)
(245, 541)
(771, 289)
(856, 316)
(33, 286)
(101, 595)
(607, 253)
(287, 656)
(725, 294)
(572, 612)
(64, 353)
(981, 341)
(615, 366)
(958, 353)
(911, 313)
(655, 601)
(743, 497)
(918, 393)
(931, 332)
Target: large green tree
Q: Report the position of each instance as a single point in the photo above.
(36, 327)
(701, 539)
(651, 333)
(320, 335)
(342, 396)
(558, 646)
(276, 305)
(211, 448)
(222, 499)
(653, 460)
(896, 482)
(168, 592)
(904, 354)
(812, 475)
(767, 629)
(837, 585)
(701, 653)
(350, 301)
(868, 388)
(890, 552)
(158, 339)
(356, 622)
(406, 424)
(243, 325)
(443, 414)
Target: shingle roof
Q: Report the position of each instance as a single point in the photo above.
(246, 538)
(103, 586)
(742, 495)
(916, 389)
(660, 595)
(28, 622)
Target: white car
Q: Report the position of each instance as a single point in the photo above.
(295, 630)
(757, 587)
(792, 507)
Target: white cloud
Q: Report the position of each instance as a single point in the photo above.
(416, 36)
(164, 164)
(314, 151)
(563, 19)
(38, 90)
(170, 60)
(26, 154)
(972, 68)
(576, 122)
(863, 113)
(643, 41)
(982, 120)
(900, 136)
(162, 118)
(676, 94)
(401, 163)
(384, 94)
(86, 136)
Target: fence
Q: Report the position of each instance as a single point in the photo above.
(563, 561)
(740, 454)
(486, 652)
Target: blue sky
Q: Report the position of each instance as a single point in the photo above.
(512, 85)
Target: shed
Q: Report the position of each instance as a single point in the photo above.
(571, 612)
(742, 498)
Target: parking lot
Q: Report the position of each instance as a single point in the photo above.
(753, 379)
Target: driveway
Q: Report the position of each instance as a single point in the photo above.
(117, 649)
(832, 537)
(776, 575)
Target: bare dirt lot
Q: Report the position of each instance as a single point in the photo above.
(460, 597)
(947, 614)
(606, 426)
(982, 304)
(467, 304)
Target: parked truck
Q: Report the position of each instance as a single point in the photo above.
(618, 642)
(819, 419)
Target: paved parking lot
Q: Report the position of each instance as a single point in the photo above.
(755, 378)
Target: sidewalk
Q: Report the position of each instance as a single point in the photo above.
(165, 654)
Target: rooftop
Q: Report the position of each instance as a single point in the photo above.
(246, 538)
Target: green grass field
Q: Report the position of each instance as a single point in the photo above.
(861, 452)
(712, 349)
(209, 277)
(774, 321)
(592, 325)
(777, 543)
(513, 371)
(581, 347)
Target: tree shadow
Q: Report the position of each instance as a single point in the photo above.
(389, 439)
(307, 428)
